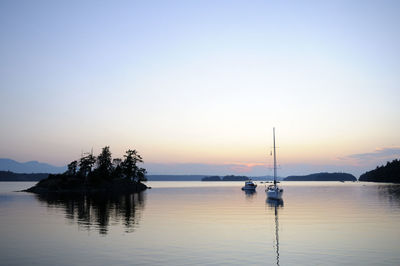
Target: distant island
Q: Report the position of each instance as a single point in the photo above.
(390, 173)
(97, 174)
(225, 178)
(211, 178)
(323, 177)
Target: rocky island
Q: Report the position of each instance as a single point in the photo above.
(97, 174)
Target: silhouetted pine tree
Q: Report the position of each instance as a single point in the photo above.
(104, 164)
(130, 168)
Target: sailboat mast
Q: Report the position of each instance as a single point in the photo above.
(274, 159)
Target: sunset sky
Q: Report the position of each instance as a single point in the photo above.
(197, 86)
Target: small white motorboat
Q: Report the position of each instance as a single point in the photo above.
(249, 185)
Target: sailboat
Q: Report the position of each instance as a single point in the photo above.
(274, 191)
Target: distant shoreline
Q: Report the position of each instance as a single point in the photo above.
(321, 177)
(8, 176)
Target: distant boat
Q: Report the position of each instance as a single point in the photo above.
(249, 185)
(274, 191)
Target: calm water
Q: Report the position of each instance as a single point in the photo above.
(195, 223)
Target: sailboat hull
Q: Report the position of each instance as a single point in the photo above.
(274, 193)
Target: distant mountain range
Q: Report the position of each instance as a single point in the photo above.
(29, 167)
(35, 167)
(13, 170)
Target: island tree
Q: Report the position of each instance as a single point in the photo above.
(130, 168)
(86, 164)
(104, 163)
(72, 168)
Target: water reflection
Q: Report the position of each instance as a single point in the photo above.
(96, 211)
(275, 205)
(391, 193)
(250, 193)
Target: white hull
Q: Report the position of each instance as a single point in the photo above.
(249, 188)
(274, 193)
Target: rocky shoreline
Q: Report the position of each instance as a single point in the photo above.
(63, 184)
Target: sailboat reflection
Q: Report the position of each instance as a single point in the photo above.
(276, 204)
(98, 210)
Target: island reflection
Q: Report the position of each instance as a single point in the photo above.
(391, 193)
(97, 211)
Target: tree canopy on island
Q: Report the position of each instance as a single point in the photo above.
(103, 167)
(389, 173)
(101, 173)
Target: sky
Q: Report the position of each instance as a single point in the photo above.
(197, 86)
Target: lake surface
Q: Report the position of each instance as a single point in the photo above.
(204, 223)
